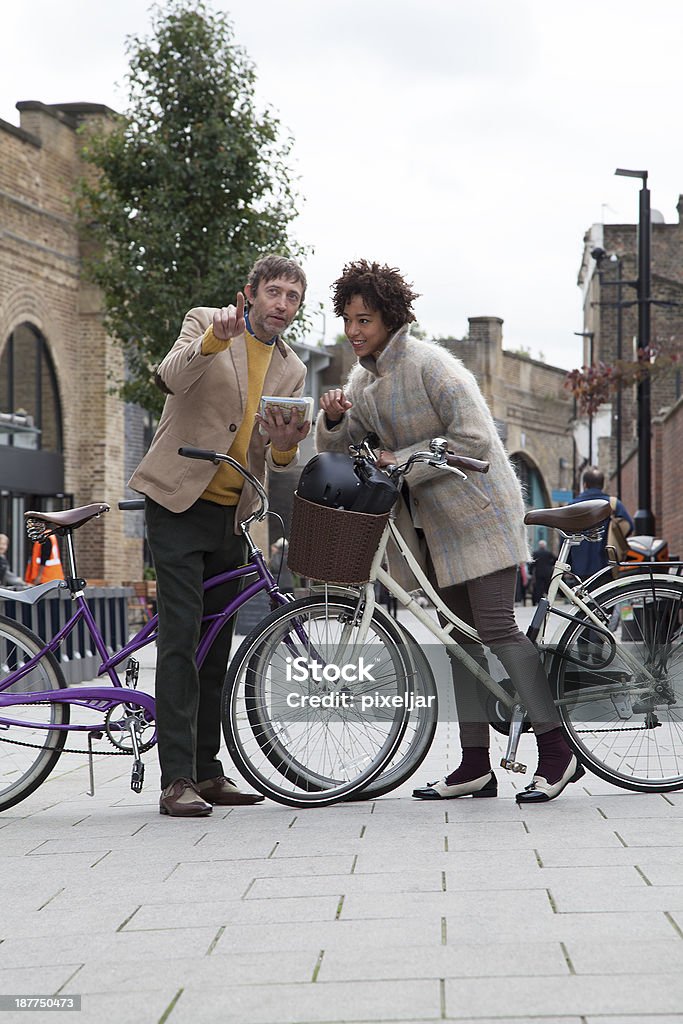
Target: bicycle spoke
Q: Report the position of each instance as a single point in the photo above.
(30, 742)
(300, 705)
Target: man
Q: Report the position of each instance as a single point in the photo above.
(589, 557)
(542, 568)
(215, 374)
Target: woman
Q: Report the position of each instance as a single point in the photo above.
(408, 391)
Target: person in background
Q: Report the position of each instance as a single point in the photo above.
(407, 391)
(542, 570)
(522, 583)
(389, 601)
(7, 577)
(590, 557)
(44, 564)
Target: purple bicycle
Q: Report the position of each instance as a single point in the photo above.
(38, 710)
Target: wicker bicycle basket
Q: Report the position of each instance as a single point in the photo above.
(331, 544)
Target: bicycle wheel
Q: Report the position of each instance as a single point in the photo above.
(620, 689)
(29, 745)
(312, 710)
(420, 729)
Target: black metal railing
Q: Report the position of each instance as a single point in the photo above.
(77, 655)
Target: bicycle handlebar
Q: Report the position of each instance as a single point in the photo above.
(465, 462)
(136, 504)
(217, 458)
(437, 455)
(199, 453)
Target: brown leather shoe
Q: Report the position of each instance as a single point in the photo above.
(225, 792)
(181, 800)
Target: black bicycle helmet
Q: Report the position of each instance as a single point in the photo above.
(333, 479)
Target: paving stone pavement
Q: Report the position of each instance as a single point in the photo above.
(385, 911)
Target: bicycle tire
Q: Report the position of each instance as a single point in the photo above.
(419, 733)
(621, 699)
(304, 776)
(305, 756)
(422, 721)
(292, 769)
(24, 768)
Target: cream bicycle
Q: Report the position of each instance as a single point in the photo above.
(310, 694)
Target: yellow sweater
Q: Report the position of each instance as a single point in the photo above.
(226, 485)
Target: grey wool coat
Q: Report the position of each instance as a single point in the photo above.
(415, 391)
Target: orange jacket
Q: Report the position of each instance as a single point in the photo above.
(51, 569)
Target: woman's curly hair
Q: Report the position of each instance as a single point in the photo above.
(382, 289)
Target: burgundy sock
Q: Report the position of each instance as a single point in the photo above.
(475, 763)
(553, 755)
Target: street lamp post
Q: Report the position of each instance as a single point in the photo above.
(644, 519)
(620, 330)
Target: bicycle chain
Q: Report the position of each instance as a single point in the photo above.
(630, 728)
(68, 750)
(64, 750)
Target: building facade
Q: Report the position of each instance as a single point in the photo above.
(610, 310)
(63, 430)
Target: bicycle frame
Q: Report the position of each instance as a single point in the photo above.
(408, 602)
(574, 595)
(443, 634)
(103, 698)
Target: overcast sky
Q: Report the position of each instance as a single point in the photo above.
(470, 143)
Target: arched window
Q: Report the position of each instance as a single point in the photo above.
(29, 397)
(535, 493)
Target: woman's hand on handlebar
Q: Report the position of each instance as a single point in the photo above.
(334, 404)
(385, 459)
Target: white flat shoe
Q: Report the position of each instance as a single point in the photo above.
(540, 790)
(484, 786)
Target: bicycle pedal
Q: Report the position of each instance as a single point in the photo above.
(137, 776)
(132, 673)
(512, 766)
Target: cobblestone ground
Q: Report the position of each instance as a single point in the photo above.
(392, 910)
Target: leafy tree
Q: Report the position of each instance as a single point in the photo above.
(185, 190)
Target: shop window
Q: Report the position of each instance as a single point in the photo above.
(29, 397)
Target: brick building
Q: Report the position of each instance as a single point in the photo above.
(610, 324)
(63, 432)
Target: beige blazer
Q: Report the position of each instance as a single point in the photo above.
(205, 410)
